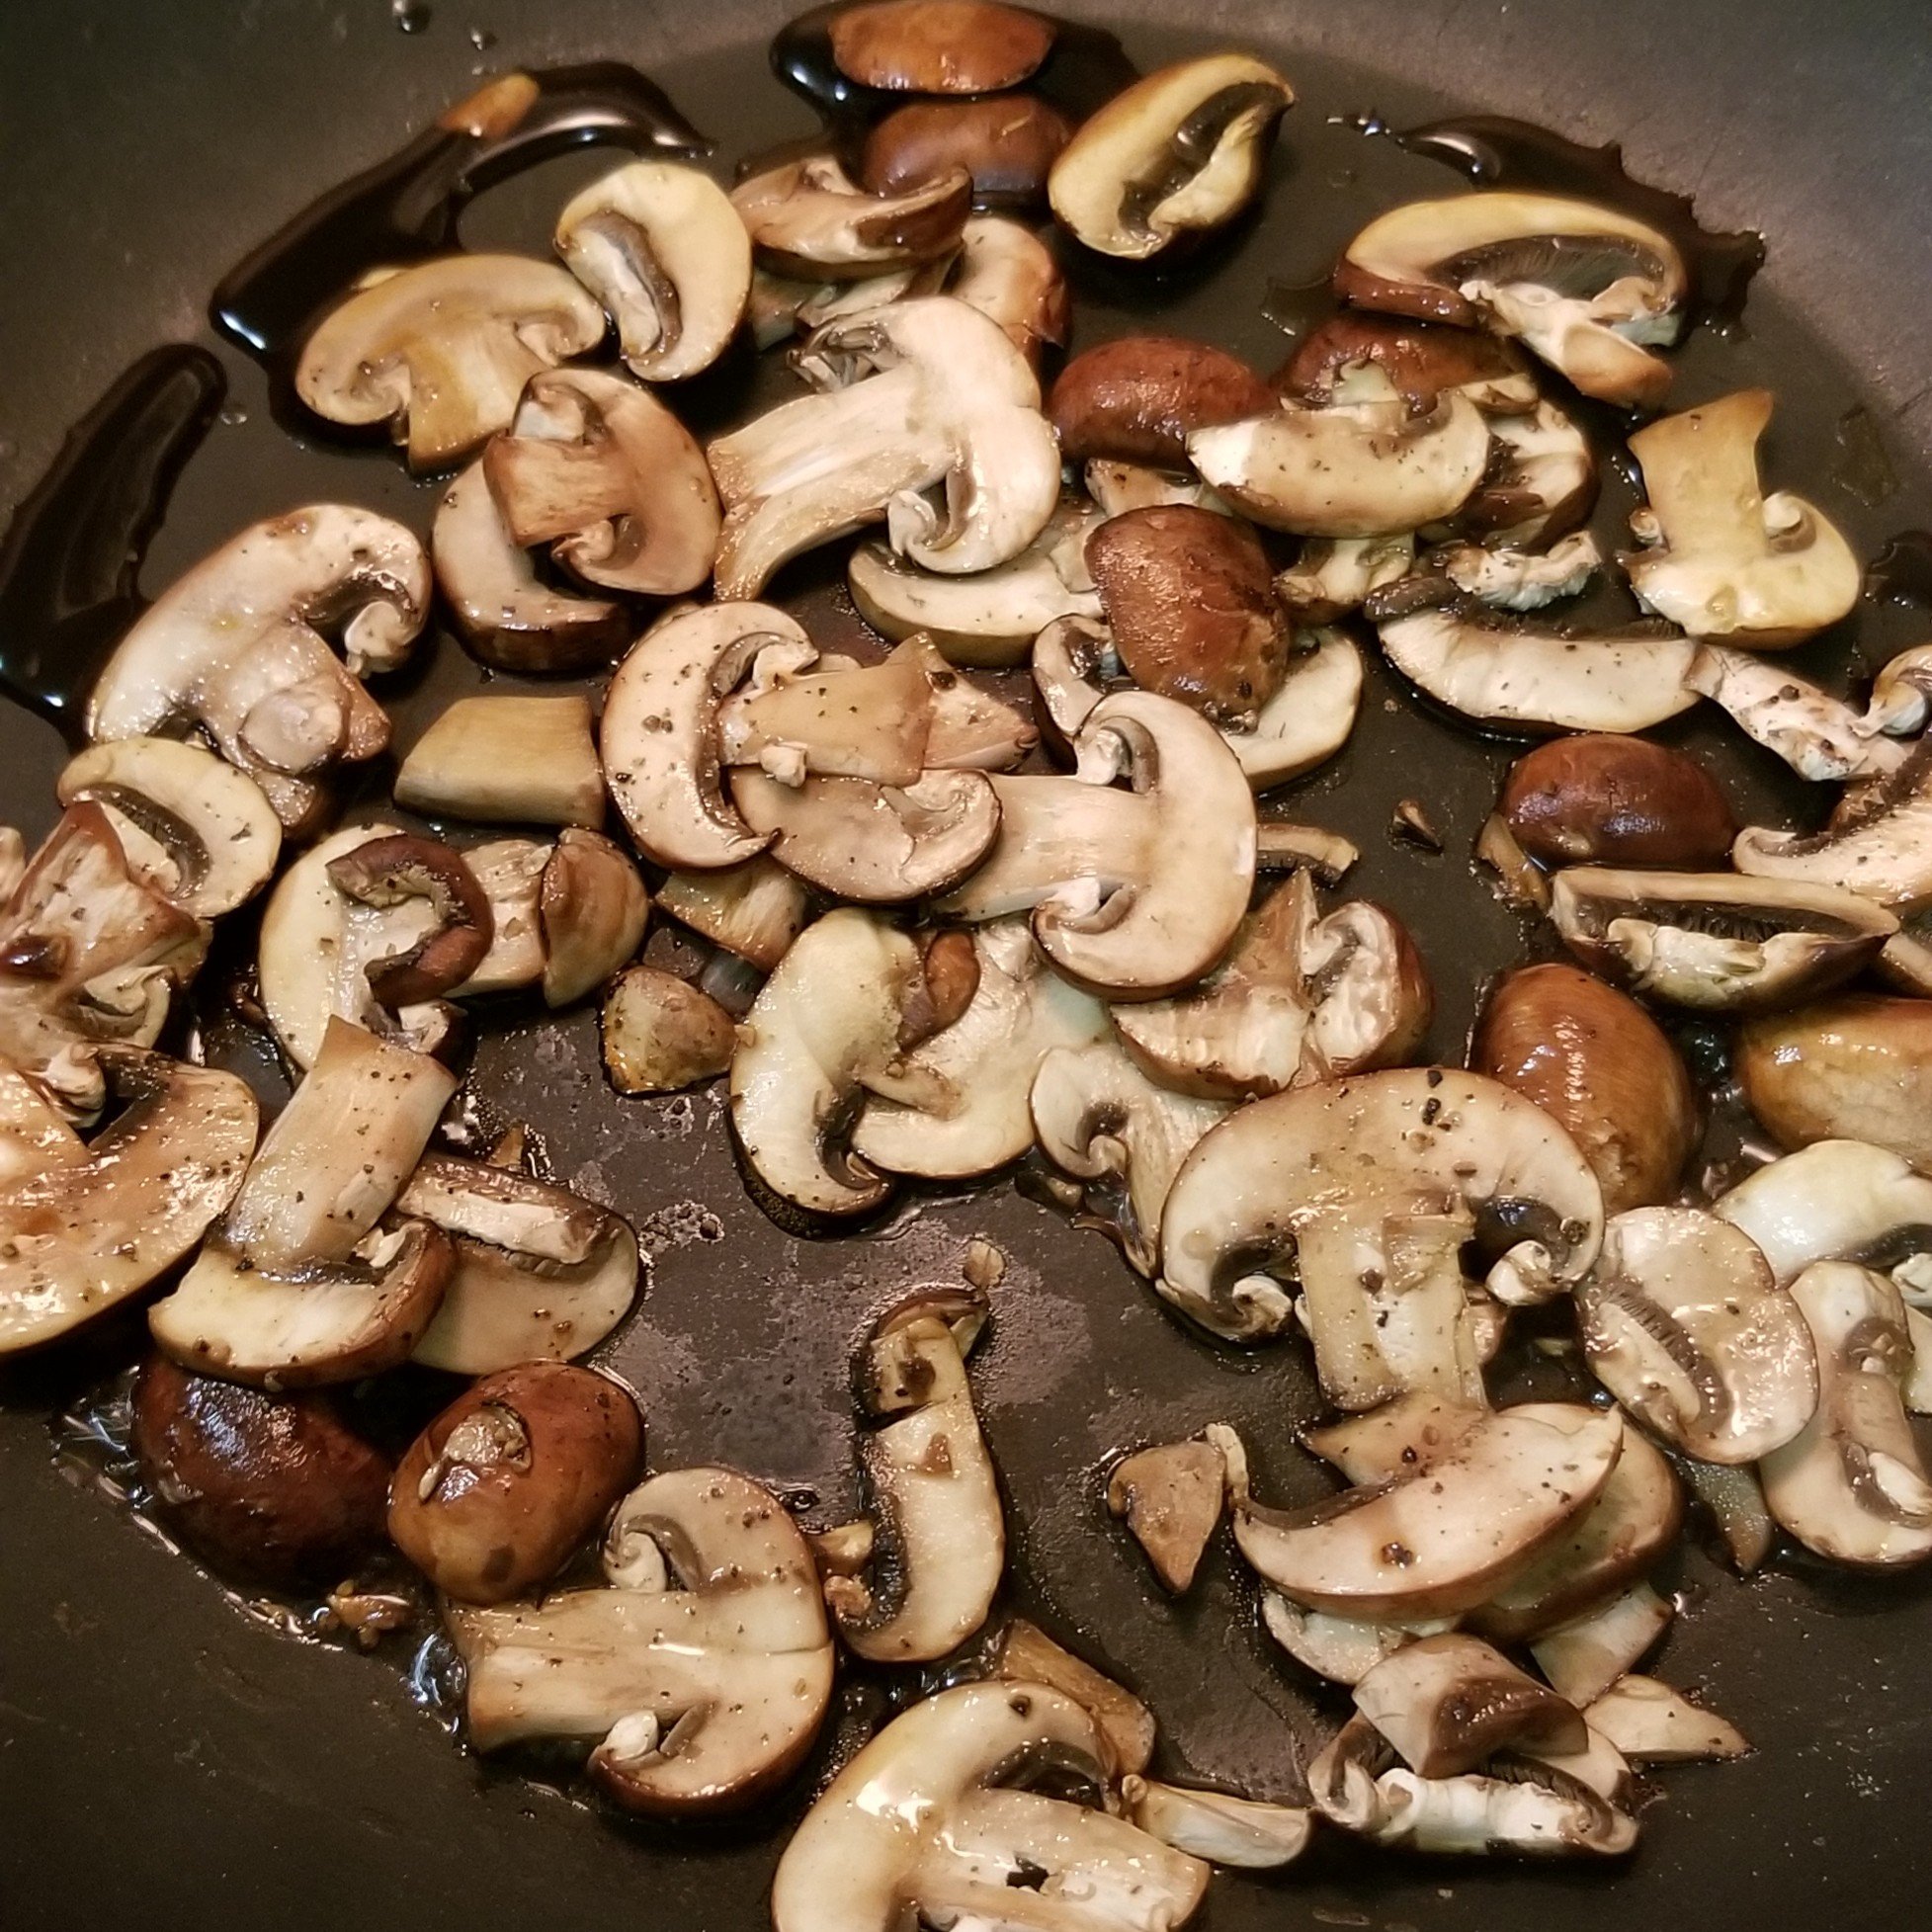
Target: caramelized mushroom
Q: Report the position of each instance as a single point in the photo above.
(1858, 1067)
(1604, 799)
(1007, 142)
(939, 46)
(1139, 398)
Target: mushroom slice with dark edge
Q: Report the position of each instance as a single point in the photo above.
(1242, 1834)
(1880, 845)
(1584, 1657)
(661, 1034)
(808, 217)
(755, 909)
(1714, 940)
(910, 397)
(1310, 718)
(1853, 1485)
(1721, 558)
(1006, 272)
(918, 1824)
(939, 46)
(1135, 893)
(201, 831)
(1538, 1809)
(939, 1541)
(1333, 575)
(1023, 1654)
(1506, 668)
(34, 1136)
(506, 617)
(1420, 360)
(87, 1227)
(236, 648)
(1170, 1499)
(1364, 1192)
(400, 868)
(1541, 483)
(1007, 143)
(1137, 399)
(1343, 1649)
(1520, 580)
(1683, 1323)
(1448, 1703)
(1834, 1201)
(1179, 152)
(704, 1667)
(441, 350)
(1820, 736)
(600, 470)
(1587, 289)
(512, 759)
(540, 1274)
(662, 248)
(1649, 1722)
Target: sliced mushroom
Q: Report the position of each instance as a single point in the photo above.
(1603, 799)
(1521, 580)
(1857, 1067)
(1833, 1200)
(1650, 1723)
(1343, 1649)
(1584, 1658)
(1393, 1438)
(1818, 736)
(34, 1136)
(1712, 940)
(939, 46)
(1448, 1703)
(1182, 151)
(1238, 1832)
(1735, 1499)
(1880, 847)
(808, 217)
(1901, 695)
(517, 760)
(237, 649)
(1006, 272)
(755, 909)
(1118, 487)
(661, 247)
(592, 907)
(1542, 481)
(1537, 1809)
(441, 350)
(1333, 575)
(1025, 1654)
(1310, 718)
(1006, 142)
(662, 1033)
(400, 869)
(1170, 1499)
(1137, 399)
(1724, 561)
(844, 721)
(1420, 360)
(511, 875)
(704, 1668)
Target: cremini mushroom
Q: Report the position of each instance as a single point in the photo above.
(1448, 1703)
(1169, 1497)
(661, 1034)
(1006, 142)
(939, 46)
(806, 217)
(511, 759)
(1877, 844)
(755, 909)
(1605, 798)
(1023, 1654)
(1342, 1649)
(1333, 575)
(1010, 276)
(1541, 483)
(1420, 362)
(1820, 736)
(1834, 1201)
(1855, 1067)
(1520, 580)
(593, 907)
(1137, 399)
(1584, 1656)
(1310, 718)
(795, 716)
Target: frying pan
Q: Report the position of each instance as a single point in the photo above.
(166, 1758)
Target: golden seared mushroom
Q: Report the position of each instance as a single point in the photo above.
(1594, 1060)
(1722, 559)
(755, 909)
(1820, 736)
(1006, 142)
(1448, 1703)
(702, 1669)
(1584, 1657)
(1877, 844)
(909, 397)
(1714, 940)
(1138, 398)
(1170, 1499)
(1009, 275)
(237, 650)
(600, 470)
(440, 351)
(920, 1824)
(1421, 361)
(1857, 1067)
(1588, 290)
(939, 46)
(537, 1273)
(808, 217)
(661, 1034)
(938, 1534)
(1025, 1654)
(507, 618)
(660, 245)
(500, 1488)
(1242, 1834)
(1603, 799)
(592, 907)
(1178, 153)
(511, 760)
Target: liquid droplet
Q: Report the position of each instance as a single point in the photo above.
(481, 38)
(410, 16)
(233, 417)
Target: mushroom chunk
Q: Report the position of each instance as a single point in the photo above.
(1007, 143)
(602, 470)
(1520, 580)
(911, 396)
(1586, 289)
(843, 721)
(1602, 799)
(1650, 1723)
(918, 1825)
(1852, 1485)
(754, 911)
(1333, 575)
(1179, 152)
(1137, 399)
(1170, 1498)
(662, 248)
(1343, 1649)
(705, 1666)
(1024, 1653)
(808, 217)
(1542, 481)
(1821, 737)
(1857, 1067)
(513, 759)
(1833, 1200)
(237, 649)
(1584, 1657)
(1364, 1192)
(442, 350)
(663, 1035)
(83, 1227)
(1007, 273)
(395, 869)
(1901, 696)
(592, 907)
(1683, 1323)
(1714, 940)
(1238, 1832)
(939, 1537)
(1724, 560)
(1537, 1809)
(1419, 361)
(1879, 844)
(539, 1273)
(1448, 1703)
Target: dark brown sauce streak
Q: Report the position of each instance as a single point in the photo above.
(72, 553)
(1902, 569)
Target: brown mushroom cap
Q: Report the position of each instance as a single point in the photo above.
(1599, 797)
(1007, 143)
(384, 871)
(1421, 360)
(1858, 1067)
(940, 46)
(1137, 399)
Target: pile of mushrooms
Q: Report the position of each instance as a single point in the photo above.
(938, 934)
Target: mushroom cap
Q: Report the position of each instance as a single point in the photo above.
(1606, 799)
(939, 46)
(1139, 397)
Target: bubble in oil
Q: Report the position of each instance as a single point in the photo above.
(233, 417)
(481, 38)
(410, 16)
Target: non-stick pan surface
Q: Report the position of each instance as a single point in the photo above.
(168, 1760)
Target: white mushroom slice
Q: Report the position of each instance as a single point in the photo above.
(1310, 718)
(539, 1275)
(1284, 846)
(594, 906)
(1683, 1322)
(13, 859)
(868, 722)
(1333, 576)
(659, 733)
(1006, 272)
(981, 1066)
(704, 1668)
(808, 217)
(511, 875)
(1118, 487)
(661, 247)
(912, 1827)
(1441, 1539)
(1586, 1655)
(1025, 1654)
(939, 1533)
(913, 396)
(1724, 561)
(1853, 1487)
(1100, 1118)
(236, 648)
(1833, 1200)
(1651, 1724)
(755, 909)
(1539, 1811)
(1343, 1774)
(1599, 1766)
(1542, 480)
(87, 1227)
(1448, 1703)
(441, 350)
(1343, 1649)
(1170, 1499)
(1394, 1439)
(1521, 580)
(512, 759)
(1818, 735)
(1241, 1834)
(1879, 845)
(199, 830)
(1364, 1190)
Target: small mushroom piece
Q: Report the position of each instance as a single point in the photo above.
(1586, 289)
(1857, 1067)
(86, 1227)
(1009, 275)
(1179, 152)
(600, 470)
(1734, 1501)
(1521, 580)
(1542, 481)
(1877, 845)
(1537, 1810)
(1394, 1437)
(237, 650)
(440, 351)
(1310, 718)
(497, 1491)
(1343, 1649)
(940, 1534)
(1170, 1499)
(1024, 1653)
(808, 217)
(1651, 1724)
(1137, 399)
(592, 907)
(1833, 1200)
(539, 1273)
(395, 869)
(1712, 941)
(1118, 487)
(755, 909)
(1594, 1060)
(1006, 142)
(1724, 560)
(917, 1825)
(1821, 737)
(1241, 1834)
(1604, 799)
(509, 760)
(939, 46)
(1333, 575)
(1448, 1703)
(1901, 696)
(705, 1666)
(663, 1035)
(1420, 360)
(511, 875)
(1852, 1485)
(660, 245)
(870, 721)
(1585, 1657)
